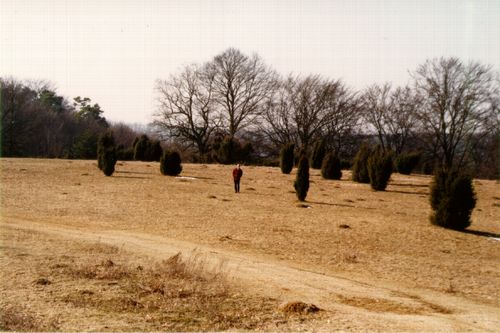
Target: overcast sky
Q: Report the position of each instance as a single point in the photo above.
(113, 51)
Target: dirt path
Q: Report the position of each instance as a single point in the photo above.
(359, 305)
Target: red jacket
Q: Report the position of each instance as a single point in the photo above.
(237, 173)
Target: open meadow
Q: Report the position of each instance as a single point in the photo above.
(81, 251)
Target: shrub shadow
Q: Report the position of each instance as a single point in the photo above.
(481, 233)
(131, 177)
(330, 204)
(407, 192)
(199, 177)
(409, 185)
(134, 172)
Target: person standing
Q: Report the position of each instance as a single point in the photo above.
(237, 174)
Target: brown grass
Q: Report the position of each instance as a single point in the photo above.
(390, 230)
(298, 307)
(390, 239)
(104, 288)
(17, 318)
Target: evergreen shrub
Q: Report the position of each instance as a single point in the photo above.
(106, 141)
(301, 183)
(154, 151)
(406, 162)
(146, 149)
(380, 169)
(140, 148)
(170, 163)
(286, 158)
(318, 154)
(452, 200)
(108, 158)
(230, 151)
(360, 166)
(428, 167)
(331, 167)
(124, 154)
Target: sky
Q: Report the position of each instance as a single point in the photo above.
(113, 51)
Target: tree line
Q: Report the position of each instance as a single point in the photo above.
(448, 112)
(36, 122)
(235, 108)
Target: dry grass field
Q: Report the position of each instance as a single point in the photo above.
(81, 251)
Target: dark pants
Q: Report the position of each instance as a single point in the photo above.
(236, 186)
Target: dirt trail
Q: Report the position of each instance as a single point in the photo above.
(367, 305)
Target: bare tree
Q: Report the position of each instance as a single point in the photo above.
(344, 117)
(376, 108)
(187, 108)
(124, 135)
(241, 86)
(304, 109)
(277, 121)
(311, 104)
(402, 120)
(459, 104)
(391, 113)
